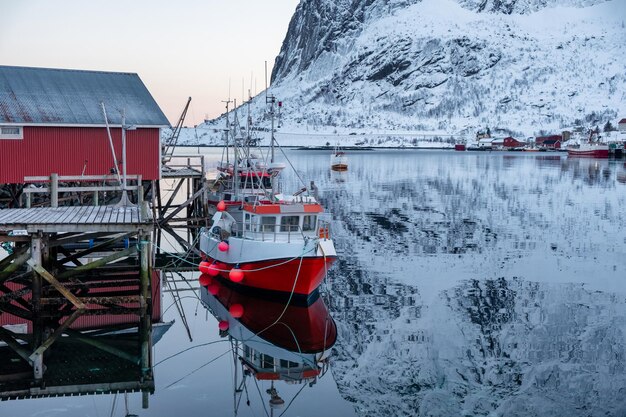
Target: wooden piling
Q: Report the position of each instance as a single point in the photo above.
(54, 190)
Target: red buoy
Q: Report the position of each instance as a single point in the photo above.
(236, 310)
(203, 267)
(221, 206)
(223, 246)
(223, 326)
(236, 275)
(213, 270)
(213, 289)
(205, 280)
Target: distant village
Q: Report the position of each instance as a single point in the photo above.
(615, 137)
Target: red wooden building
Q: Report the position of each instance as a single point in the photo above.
(511, 142)
(51, 121)
(549, 142)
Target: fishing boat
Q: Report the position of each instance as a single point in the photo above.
(272, 340)
(262, 238)
(591, 148)
(338, 160)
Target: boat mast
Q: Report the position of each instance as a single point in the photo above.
(235, 154)
(227, 128)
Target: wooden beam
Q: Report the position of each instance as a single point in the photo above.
(16, 296)
(96, 264)
(182, 206)
(76, 256)
(11, 268)
(10, 339)
(56, 284)
(54, 336)
(102, 346)
(180, 240)
(6, 307)
(80, 237)
(18, 252)
(163, 210)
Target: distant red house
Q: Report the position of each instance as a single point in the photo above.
(511, 142)
(549, 142)
(51, 121)
(621, 126)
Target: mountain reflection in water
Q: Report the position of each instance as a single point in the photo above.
(478, 284)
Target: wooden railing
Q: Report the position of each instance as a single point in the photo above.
(189, 161)
(52, 186)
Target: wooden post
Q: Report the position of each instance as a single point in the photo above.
(146, 318)
(145, 403)
(54, 190)
(96, 201)
(35, 257)
(28, 200)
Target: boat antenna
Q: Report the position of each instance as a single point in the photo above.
(227, 126)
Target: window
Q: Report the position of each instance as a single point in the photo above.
(268, 223)
(247, 219)
(289, 223)
(308, 223)
(11, 132)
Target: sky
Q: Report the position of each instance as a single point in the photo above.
(201, 49)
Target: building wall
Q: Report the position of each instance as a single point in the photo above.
(69, 150)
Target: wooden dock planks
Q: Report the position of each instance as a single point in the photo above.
(78, 218)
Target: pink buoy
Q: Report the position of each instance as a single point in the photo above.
(213, 289)
(223, 246)
(223, 325)
(221, 206)
(203, 267)
(205, 280)
(236, 310)
(213, 270)
(236, 275)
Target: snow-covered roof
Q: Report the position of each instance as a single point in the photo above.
(45, 96)
(622, 121)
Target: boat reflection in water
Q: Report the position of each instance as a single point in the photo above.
(272, 339)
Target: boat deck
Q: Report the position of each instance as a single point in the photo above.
(74, 219)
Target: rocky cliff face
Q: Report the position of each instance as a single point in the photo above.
(451, 64)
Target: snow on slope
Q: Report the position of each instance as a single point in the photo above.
(447, 67)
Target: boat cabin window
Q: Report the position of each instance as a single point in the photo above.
(308, 223)
(289, 223)
(254, 182)
(247, 220)
(268, 223)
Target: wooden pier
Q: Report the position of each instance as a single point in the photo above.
(77, 265)
(71, 267)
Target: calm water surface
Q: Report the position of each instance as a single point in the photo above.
(468, 284)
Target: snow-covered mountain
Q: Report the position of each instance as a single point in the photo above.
(450, 66)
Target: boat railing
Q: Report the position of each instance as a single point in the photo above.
(277, 232)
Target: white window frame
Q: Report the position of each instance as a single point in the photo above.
(18, 136)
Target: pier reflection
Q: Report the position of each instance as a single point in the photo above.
(272, 340)
(95, 360)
